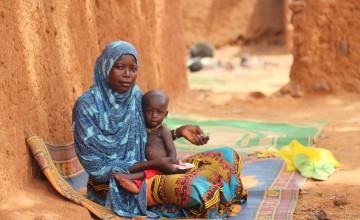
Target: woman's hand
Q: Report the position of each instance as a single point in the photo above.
(192, 133)
(166, 165)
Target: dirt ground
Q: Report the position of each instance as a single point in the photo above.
(251, 94)
(247, 93)
(340, 136)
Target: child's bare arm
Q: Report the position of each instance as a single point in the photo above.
(168, 142)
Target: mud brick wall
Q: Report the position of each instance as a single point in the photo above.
(48, 51)
(326, 47)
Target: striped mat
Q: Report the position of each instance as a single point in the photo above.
(272, 191)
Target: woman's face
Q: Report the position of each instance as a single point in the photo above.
(123, 73)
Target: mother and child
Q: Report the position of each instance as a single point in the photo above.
(119, 137)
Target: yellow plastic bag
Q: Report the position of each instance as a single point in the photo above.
(315, 154)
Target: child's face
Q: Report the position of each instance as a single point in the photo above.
(155, 111)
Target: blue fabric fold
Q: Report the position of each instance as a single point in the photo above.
(109, 132)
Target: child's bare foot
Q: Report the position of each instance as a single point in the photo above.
(125, 183)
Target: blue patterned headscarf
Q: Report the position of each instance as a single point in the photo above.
(109, 132)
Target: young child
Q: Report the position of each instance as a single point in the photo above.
(159, 141)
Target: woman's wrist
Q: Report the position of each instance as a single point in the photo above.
(176, 133)
(173, 134)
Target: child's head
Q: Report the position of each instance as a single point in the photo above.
(154, 105)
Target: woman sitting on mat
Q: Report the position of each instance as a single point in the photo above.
(110, 136)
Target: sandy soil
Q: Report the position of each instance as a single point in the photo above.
(251, 94)
(340, 136)
(246, 93)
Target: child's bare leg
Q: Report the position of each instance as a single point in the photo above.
(125, 180)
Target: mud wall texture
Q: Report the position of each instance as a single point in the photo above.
(288, 27)
(326, 47)
(48, 50)
(223, 22)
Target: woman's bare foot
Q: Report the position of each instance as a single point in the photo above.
(125, 183)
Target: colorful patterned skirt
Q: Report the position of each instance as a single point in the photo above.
(209, 190)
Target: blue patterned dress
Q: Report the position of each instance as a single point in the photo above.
(109, 133)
